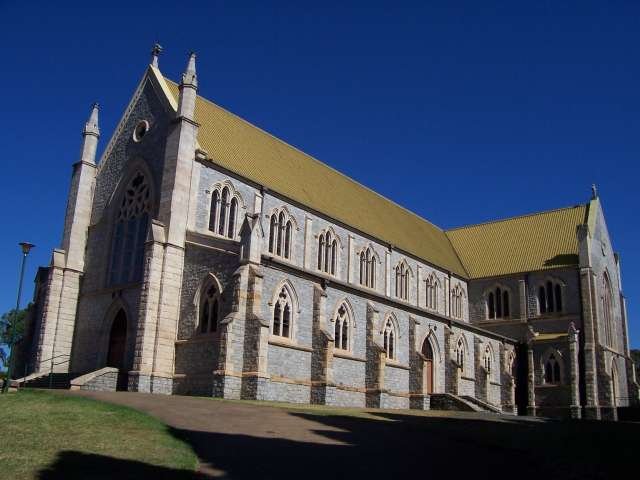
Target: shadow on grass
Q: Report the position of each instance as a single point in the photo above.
(72, 465)
(401, 445)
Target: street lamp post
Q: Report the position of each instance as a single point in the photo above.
(26, 248)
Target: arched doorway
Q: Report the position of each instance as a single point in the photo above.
(427, 367)
(117, 345)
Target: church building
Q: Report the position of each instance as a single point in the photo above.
(203, 256)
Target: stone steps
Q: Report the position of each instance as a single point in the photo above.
(448, 401)
(53, 380)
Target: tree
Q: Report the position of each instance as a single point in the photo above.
(11, 331)
(635, 356)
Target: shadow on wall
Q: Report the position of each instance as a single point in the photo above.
(402, 445)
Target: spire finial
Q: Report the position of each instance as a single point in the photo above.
(189, 77)
(91, 127)
(155, 53)
(594, 192)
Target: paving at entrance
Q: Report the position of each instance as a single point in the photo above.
(243, 440)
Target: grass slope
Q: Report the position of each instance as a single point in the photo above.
(40, 427)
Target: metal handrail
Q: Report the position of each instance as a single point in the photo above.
(53, 358)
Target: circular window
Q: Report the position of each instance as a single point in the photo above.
(140, 131)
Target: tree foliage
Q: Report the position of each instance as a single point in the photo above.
(635, 356)
(12, 328)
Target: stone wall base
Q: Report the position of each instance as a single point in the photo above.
(591, 413)
(322, 394)
(145, 383)
(386, 400)
(609, 413)
(575, 412)
(420, 402)
(255, 388)
(226, 386)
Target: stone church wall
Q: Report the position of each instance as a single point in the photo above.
(91, 335)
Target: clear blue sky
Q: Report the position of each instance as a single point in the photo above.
(483, 109)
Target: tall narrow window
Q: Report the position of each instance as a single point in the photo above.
(282, 314)
(558, 291)
(552, 370)
(209, 309)
(402, 281)
(273, 229)
(457, 310)
(372, 271)
(334, 257)
(607, 312)
(498, 304)
(280, 235)
(215, 208)
(368, 268)
(542, 300)
(223, 210)
(431, 291)
(550, 302)
(550, 297)
(327, 252)
(130, 232)
(223, 214)
(460, 354)
(488, 360)
(281, 227)
(231, 229)
(492, 305)
(390, 336)
(287, 240)
(320, 252)
(506, 308)
(341, 328)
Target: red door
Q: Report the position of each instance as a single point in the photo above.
(428, 376)
(427, 352)
(117, 343)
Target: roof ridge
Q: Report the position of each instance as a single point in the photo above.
(515, 217)
(352, 180)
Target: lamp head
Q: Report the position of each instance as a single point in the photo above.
(26, 247)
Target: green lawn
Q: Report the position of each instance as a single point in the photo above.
(41, 431)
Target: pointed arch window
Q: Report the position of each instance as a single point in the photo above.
(607, 312)
(280, 234)
(368, 268)
(460, 354)
(487, 360)
(327, 252)
(457, 302)
(130, 231)
(282, 315)
(209, 308)
(550, 297)
(431, 292)
(511, 365)
(402, 281)
(342, 328)
(498, 305)
(223, 212)
(552, 370)
(390, 338)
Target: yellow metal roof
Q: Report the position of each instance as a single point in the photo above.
(529, 243)
(248, 151)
